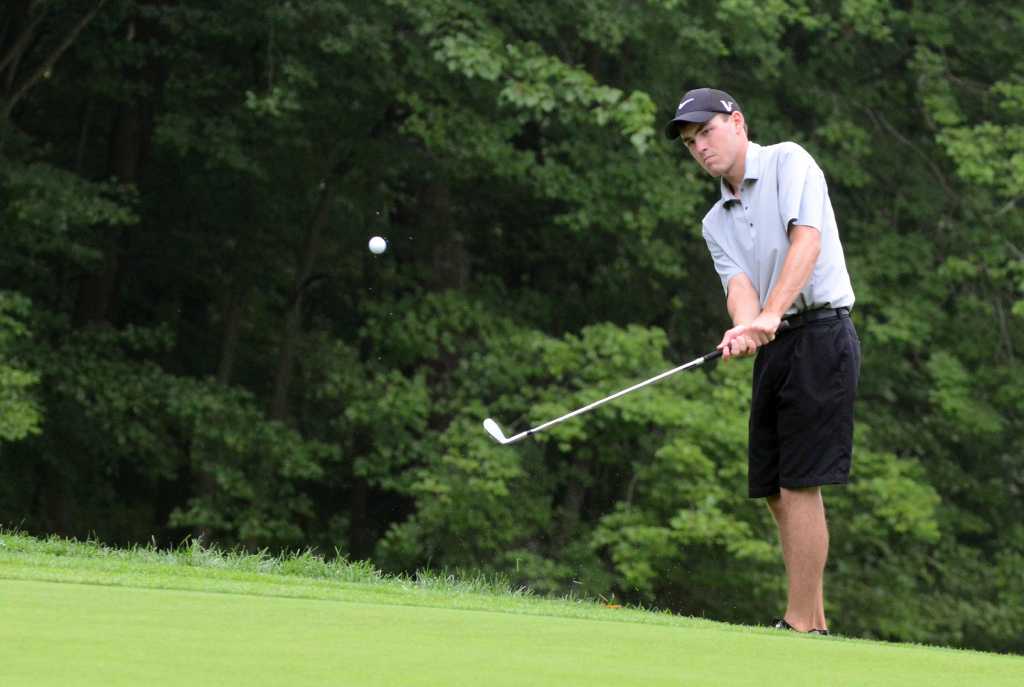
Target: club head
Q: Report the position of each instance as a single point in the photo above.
(495, 431)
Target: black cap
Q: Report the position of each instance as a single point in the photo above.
(700, 105)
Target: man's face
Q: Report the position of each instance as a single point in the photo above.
(716, 144)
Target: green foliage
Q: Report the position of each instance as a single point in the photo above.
(49, 211)
(20, 414)
(195, 341)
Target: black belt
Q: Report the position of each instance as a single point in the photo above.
(817, 315)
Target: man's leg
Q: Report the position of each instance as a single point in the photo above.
(800, 515)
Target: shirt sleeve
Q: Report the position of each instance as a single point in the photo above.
(803, 194)
(726, 267)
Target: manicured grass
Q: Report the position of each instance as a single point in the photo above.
(82, 614)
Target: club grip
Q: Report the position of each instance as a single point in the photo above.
(717, 353)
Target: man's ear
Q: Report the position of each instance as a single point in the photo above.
(739, 122)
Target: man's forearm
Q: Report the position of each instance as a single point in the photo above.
(804, 248)
(743, 302)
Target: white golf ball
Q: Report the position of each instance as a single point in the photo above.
(378, 245)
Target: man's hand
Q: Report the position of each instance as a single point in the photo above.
(743, 340)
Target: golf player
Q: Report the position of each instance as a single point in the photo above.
(775, 244)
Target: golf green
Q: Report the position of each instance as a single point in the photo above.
(85, 635)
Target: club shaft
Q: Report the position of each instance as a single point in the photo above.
(617, 394)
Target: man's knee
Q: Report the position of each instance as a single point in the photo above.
(788, 500)
(800, 498)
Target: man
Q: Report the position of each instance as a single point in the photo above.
(775, 245)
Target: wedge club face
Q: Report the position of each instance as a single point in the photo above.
(495, 431)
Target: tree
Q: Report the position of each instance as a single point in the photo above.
(195, 340)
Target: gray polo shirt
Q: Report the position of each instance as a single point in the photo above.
(782, 185)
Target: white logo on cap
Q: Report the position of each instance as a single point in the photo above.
(684, 103)
(727, 105)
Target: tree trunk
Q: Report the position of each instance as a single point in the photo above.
(360, 537)
(279, 407)
(236, 302)
(129, 139)
(450, 260)
(572, 506)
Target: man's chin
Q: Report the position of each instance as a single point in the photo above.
(713, 171)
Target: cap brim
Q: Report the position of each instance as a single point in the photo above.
(695, 117)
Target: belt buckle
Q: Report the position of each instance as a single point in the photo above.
(794, 321)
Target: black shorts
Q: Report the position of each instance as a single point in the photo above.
(801, 415)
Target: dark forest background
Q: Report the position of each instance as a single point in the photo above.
(196, 342)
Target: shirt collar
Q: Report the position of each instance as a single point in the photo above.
(751, 171)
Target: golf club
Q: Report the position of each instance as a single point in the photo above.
(494, 429)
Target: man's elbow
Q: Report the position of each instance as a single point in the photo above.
(807, 239)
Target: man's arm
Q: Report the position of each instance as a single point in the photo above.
(804, 249)
(754, 327)
(744, 305)
(742, 302)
